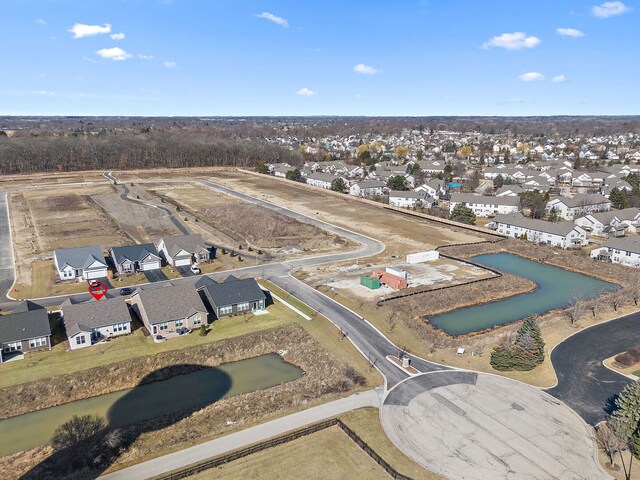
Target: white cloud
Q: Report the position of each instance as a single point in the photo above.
(570, 32)
(274, 18)
(80, 30)
(142, 56)
(559, 79)
(366, 69)
(531, 77)
(170, 64)
(305, 92)
(609, 9)
(115, 53)
(40, 21)
(513, 41)
(117, 36)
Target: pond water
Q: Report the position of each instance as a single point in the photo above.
(181, 393)
(556, 288)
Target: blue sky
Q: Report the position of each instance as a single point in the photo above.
(241, 57)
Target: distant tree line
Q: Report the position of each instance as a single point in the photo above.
(132, 151)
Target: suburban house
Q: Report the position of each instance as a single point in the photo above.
(279, 169)
(25, 329)
(135, 258)
(625, 251)
(410, 199)
(484, 205)
(509, 191)
(323, 180)
(561, 234)
(88, 323)
(183, 250)
(367, 188)
(434, 188)
(171, 310)
(608, 223)
(584, 204)
(86, 263)
(232, 295)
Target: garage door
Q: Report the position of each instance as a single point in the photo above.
(151, 266)
(95, 274)
(182, 262)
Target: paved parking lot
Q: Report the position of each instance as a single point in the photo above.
(479, 426)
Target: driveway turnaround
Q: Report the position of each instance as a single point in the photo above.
(584, 383)
(478, 426)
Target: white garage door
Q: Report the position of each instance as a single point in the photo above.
(183, 262)
(95, 274)
(151, 266)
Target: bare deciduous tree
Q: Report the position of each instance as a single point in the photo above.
(608, 442)
(576, 308)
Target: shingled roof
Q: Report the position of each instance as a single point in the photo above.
(134, 253)
(233, 291)
(170, 303)
(20, 326)
(84, 317)
(79, 257)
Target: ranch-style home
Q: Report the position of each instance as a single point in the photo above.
(410, 199)
(183, 250)
(88, 323)
(232, 295)
(135, 258)
(434, 188)
(560, 234)
(484, 205)
(86, 263)
(625, 251)
(570, 208)
(367, 188)
(25, 329)
(171, 310)
(323, 180)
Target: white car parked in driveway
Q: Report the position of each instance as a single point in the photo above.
(195, 269)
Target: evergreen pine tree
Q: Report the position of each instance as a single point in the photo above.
(627, 416)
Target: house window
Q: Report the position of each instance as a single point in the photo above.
(81, 340)
(13, 346)
(38, 342)
(178, 323)
(243, 306)
(226, 310)
(197, 320)
(163, 326)
(119, 327)
(628, 254)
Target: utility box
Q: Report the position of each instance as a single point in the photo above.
(370, 282)
(429, 256)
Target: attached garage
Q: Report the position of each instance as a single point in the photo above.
(150, 266)
(183, 262)
(95, 274)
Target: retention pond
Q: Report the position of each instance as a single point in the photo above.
(556, 288)
(182, 393)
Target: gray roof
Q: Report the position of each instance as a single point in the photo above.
(84, 317)
(322, 177)
(485, 199)
(79, 257)
(24, 325)
(407, 194)
(582, 200)
(510, 188)
(233, 291)
(371, 184)
(134, 253)
(628, 244)
(169, 303)
(189, 243)
(558, 228)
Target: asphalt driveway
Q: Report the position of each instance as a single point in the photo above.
(185, 271)
(155, 275)
(584, 383)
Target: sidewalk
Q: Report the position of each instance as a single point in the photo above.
(243, 438)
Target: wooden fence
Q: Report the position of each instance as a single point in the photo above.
(195, 468)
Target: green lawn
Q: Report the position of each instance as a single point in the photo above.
(636, 373)
(57, 361)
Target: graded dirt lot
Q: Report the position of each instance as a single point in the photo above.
(45, 220)
(143, 223)
(329, 454)
(401, 234)
(238, 222)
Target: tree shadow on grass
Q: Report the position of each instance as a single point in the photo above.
(162, 398)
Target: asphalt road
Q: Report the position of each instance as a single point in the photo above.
(584, 383)
(6, 249)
